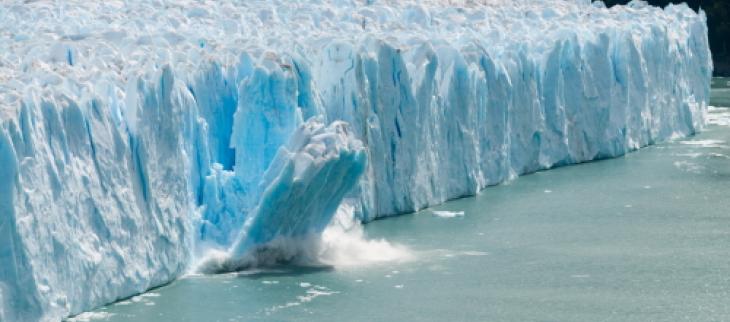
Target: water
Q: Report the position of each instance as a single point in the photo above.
(639, 238)
(721, 91)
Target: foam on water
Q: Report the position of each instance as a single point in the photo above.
(309, 295)
(718, 116)
(91, 316)
(706, 143)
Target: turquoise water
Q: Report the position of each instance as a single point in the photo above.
(721, 91)
(639, 238)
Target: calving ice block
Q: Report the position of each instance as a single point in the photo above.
(136, 137)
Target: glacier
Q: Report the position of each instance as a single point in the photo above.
(139, 137)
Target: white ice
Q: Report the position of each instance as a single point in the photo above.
(138, 136)
(447, 214)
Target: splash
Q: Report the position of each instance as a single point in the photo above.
(345, 244)
(342, 244)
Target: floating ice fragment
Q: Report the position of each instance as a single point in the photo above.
(447, 214)
(474, 253)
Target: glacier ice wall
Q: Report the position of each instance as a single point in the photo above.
(136, 136)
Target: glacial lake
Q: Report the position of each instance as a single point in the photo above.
(640, 238)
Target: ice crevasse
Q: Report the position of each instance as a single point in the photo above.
(137, 135)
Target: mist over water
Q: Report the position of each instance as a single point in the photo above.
(638, 238)
(344, 244)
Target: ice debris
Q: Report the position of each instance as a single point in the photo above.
(135, 135)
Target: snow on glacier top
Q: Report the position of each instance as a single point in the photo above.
(83, 49)
(139, 136)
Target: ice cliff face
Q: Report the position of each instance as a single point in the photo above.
(135, 136)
